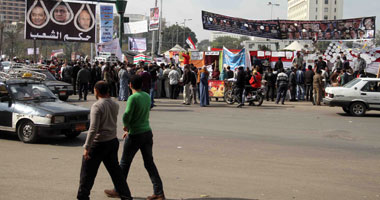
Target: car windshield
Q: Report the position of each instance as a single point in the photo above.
(49, 76)
(352, 83)
(31, 91)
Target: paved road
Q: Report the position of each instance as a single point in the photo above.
(295, 151)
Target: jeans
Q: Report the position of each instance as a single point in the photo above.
(270, 92)
(173, 91)
(105, 152)
(281, 93)
(144, 143)
(300, 92)
(309, 92)
(83, 87)
(152, 92)
(293, 91)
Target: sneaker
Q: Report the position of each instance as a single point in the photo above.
(112, 193)
(156, 197)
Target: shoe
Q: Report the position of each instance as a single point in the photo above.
(195, 102)
(283, 103)
(112, 193)
(240, 105)
(79, 99)
(156, 197)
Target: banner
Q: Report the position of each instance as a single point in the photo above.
(234, 60)
(106, 23)
(345, 29)
(112, 47)
(142, 57)
(61, 21)
(136, 27)
(55, 53)
(154, 19)
(137, 44)
(31, 51)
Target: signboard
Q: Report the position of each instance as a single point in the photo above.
(137, 44)
(112, 47)
(216, 88)
(136, 27)
(106, 23)
(154, 19)
(344, 29)
(31, 51)
(60, 21)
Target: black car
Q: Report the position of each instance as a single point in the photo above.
(30, 109)
(62, 89)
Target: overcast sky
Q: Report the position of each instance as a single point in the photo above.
(178, 10)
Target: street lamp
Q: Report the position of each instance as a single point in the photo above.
(271, 9)
(184, 32)
(120, 7)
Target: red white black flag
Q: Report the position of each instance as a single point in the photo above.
(190, 42)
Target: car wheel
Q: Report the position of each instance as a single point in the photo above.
(72, 134)
(358, 109)
(63, 98)
(26, 132)
(346, 110)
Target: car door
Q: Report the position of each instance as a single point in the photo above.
(371, 92)
(6, 113)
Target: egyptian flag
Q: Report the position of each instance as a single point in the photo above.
(190, 43)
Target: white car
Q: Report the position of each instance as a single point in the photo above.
(356, 97)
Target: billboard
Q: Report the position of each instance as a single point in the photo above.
(106, 23)
(61, 21)
(344, 29)
(137, 44)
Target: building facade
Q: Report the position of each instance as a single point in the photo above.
(315, 9)
(12, 10)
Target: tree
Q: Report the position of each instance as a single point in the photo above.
(229, 42)
(377, 39)
(203, 45)
(176, 34)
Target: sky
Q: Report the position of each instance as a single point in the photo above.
(178, 10)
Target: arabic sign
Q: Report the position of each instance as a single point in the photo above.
(61, 21)
(345, 29)
(106, 23)
(31, 51)
(112, 47)
(137, 44)
(154, 19)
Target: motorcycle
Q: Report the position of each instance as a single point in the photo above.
(251, 96)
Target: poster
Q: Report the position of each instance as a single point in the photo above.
(112, 47)
(196, 55)
(136, 27)
(154, 19)
(60, 21)
(137, 44)
(216, 88)
(344, 29)
(106, 23)
(234, 60)
(31, 51)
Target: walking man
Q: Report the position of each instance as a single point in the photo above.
(282, 86)
(138, 135)
(83, 79)
(317, 86)
(186, 85)
(102, 145)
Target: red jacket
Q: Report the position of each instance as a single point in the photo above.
(256, 83)
(186, 59)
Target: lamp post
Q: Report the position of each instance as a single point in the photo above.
(2, 25)
(120, 7)
(184, 31)
(271, 9)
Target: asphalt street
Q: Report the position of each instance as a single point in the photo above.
(274, 152)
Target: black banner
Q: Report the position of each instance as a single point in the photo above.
(346, 29)
(61, 21)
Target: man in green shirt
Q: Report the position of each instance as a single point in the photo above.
(138, 135)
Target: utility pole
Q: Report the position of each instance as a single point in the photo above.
(154, 36)
(2, 25)
(161, 32)
(120, 7)
(177, 31)
(184, 31)
(271, 9)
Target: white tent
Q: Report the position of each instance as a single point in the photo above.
(176, 48)
(295, 46)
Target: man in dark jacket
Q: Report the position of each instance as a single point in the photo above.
(279, 65)
(282, 86)
(83, 79)
(74, 76)
(309, 74)
(270, 79)
(292, 84)
(320, 64)
(240, 83)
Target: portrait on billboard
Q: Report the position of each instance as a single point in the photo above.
(61, 13)
(37, 16)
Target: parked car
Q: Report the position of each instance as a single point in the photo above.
(62, 89)
(356, 97)
(29, 108)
